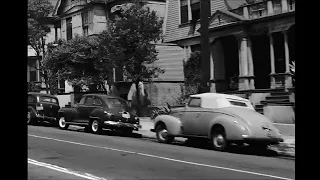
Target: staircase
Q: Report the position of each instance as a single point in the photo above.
(275, 98)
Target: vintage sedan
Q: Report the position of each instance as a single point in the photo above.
(42, 108)
(222, 119)
(96, 112)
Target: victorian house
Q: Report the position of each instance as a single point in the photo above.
(89, 17)
(251, 46)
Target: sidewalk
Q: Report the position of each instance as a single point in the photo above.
(286, 148)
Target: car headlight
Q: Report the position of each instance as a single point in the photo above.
(240, 126)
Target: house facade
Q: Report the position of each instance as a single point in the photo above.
(89, 17)
(251, 46)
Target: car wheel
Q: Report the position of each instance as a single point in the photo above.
(95, 127)
(162, 134)
(31, 120)
(62, 123)
(219, 140)
(127, 131)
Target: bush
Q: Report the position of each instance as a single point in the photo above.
(33, 87)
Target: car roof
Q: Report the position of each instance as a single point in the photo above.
(101, 95)
(41, 94)
(218, 95)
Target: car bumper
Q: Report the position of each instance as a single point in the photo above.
(45, 117)
(264, 140)
(122, 125)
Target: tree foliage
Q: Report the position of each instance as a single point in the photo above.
(79, 61)
(133, 35)
(37, 10)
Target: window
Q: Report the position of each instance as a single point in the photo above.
(61, 84)
(237, 103)
(195, 102)
(85, 31)
(82, 100)
(48, 99)
(195, 9)
(292, 5)
(33, 76)
(184, 11)
(85, 23)
(97, 102)
(69, 28)
(31, 99)
(89, 101)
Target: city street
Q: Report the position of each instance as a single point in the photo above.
(110, 156)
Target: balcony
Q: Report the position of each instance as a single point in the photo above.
(260, 9)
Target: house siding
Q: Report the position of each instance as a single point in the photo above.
(174, 32)
(170, 58)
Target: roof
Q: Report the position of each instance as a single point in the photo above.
(218, 95)
(234, 4)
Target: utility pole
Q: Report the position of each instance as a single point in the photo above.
(205, 48)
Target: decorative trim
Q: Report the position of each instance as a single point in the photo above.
(281, 74)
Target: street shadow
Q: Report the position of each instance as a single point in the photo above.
(244, 150)
(107, 132)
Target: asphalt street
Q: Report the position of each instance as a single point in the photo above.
(118, 157)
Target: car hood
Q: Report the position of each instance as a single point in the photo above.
(249, 116)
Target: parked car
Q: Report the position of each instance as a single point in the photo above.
(222, 119)
(98, 111)
(42, 108)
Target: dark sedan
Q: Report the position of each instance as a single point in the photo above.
(98, 111)
(42, 108)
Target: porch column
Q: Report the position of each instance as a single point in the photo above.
(189, 10)
(245, 12)
(28, 72)
(272, 61)
(243, 64)
(38, 70)
(55, 33)
(212, 85)
(284, 6)
(270, 7)
(250, 63)
(288, 78)
(286, 50)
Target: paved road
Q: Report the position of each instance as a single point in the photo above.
(116, 157)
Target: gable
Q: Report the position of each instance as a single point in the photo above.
(223, 17)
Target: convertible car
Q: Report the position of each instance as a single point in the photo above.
(221, 118)
(96, 112)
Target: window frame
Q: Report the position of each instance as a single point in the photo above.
(69, 28)
(192, 98)
(180, 11)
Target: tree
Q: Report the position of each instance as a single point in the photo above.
(192, 73)
(79, 61)
(133, 35)
(38, 10)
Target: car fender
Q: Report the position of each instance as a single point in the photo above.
(232, 129)
(172, 124)
(97, 114)
(69, 113)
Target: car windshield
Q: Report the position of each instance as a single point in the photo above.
(48, 99)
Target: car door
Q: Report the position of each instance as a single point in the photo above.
(190, 115)
(85, 109)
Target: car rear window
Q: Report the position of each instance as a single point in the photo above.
(116, 101)
(48, 99)
(238, 103)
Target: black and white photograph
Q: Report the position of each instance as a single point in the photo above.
(161, 90)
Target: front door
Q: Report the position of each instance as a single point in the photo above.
(85, 110)
(190, 115)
